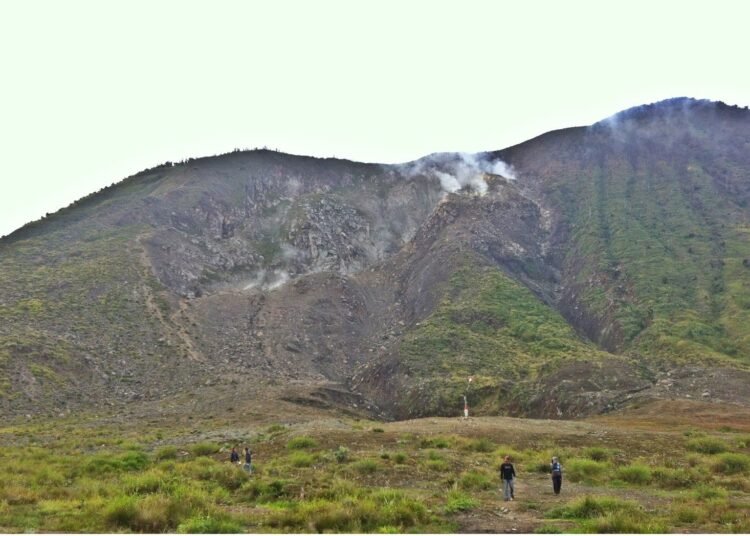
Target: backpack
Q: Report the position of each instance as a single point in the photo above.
(556, 468)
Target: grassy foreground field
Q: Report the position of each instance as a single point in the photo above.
(668, 467)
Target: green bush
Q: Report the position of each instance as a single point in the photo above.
(590, 507)
(668, 478)
(731, 463)
(341, 454)
(210, 525)
(635, 474)
(705, 492)
(204, 449)
(434, 443)
(707, 445)
(301, 459)
(399, 457)
(578, 470)
(129, 461)
(598, 454)
(301, 442)
(121, 511)
(459, 502)
(619, 523)
(476, 480)
(366, 466)
(166, 453)
(482, 445)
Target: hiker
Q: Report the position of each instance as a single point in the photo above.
(507, 474)
(556, 469)
(248, 460)
(234, 457)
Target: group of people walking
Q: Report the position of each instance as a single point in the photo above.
(508, 475)
(234, 457)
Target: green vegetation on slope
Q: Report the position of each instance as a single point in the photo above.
(493, 329)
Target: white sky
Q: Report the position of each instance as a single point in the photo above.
(94, 91)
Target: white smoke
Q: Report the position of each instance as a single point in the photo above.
(457, 171)
(267, 281)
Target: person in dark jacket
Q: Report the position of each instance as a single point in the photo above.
(234, 457)
(556, 470)
(507, 474)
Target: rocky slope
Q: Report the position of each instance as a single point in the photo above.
(569, 275)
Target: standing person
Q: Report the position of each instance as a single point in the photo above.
(248, 460)
(556, 469)
(507, 474)
(234, 457)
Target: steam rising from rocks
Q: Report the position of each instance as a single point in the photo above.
(456, 171)
(267, 280)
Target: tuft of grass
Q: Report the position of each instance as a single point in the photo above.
(635, 474)
(210, 525)
(705, 492)
(341, 454)
(482, 445)
(301, 459)
(166, 453)
(707, 445)
(478, 480)
(400, 457)
(583, 470)
(589, 507)
(301, 442)
(459, 501)
(434, 443)
(204, 449)
(366, 467)
(622, 523)
(598, 454)
(731, 463)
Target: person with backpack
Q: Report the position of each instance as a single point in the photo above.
(556, 470)
(507, 474)
(234, 457)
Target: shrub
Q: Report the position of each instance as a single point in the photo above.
(204, 449)
(585, 470)
(459, 502)
(590, 507)
(434, 443)
(689, 514)
(166, 453)
(476, 480)
(378, 430)
(148, 482)
(704, 492)
(366, 466)
(730, 463)
(619, 523)
(673, 478)
(129, 461)
(707, 445)
(301, 459)
(301, 442)
(121, 511)
(598, 454)
(399, 457)
(341, 454)
(482, 445)
(210, 525)
(635, 474)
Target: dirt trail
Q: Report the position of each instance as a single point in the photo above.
(174, 325)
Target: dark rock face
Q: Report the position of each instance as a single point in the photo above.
(267, 269)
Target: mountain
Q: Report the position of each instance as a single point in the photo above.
(582, 271)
